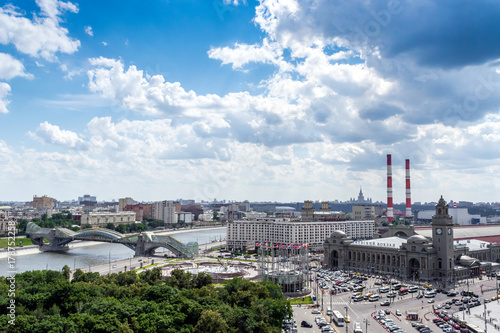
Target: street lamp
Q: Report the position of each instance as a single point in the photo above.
(366, 325)
(346, 308)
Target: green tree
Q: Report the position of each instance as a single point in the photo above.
(121, 228)
(211, 322)
(66, 272)
(110, 226)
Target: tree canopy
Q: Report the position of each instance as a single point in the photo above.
(46, 301)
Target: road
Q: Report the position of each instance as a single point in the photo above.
(363, 312)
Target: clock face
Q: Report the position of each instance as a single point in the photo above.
(449, 231)
(439, 231)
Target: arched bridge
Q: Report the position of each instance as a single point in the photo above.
(144, 243)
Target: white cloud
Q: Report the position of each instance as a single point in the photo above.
(104, 43)
(242, 54)
(10, 68)
(49, 133)
(88, 31)
(4, 92)
(42, 36)
(70, 73)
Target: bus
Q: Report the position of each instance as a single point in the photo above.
(397, 286)
(338, 318)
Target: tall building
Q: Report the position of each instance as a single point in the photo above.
(43, 204)
(308, 211)
(442, 239)
(88, 202)
(124, 202)
(165, 210)
(147, 210)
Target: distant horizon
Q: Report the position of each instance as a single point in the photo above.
(276, 100)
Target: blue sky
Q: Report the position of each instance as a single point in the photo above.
(259, 100)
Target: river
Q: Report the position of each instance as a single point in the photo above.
(85, 254)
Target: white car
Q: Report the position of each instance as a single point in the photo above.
(431, 300)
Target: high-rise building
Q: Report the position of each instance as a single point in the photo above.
(165, 210)
(308, 211)
(124, 202)
(43, 204)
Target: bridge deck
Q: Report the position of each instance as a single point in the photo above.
(144, 243)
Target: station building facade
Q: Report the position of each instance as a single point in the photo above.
(415, 257)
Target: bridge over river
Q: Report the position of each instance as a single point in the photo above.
(144, 243)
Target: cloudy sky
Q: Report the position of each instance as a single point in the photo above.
(270, 100)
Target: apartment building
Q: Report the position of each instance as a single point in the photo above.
(242, 234)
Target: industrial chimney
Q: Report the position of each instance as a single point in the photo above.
(390, 211)
(408, 191)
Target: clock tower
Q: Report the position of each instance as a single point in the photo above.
(442, 240)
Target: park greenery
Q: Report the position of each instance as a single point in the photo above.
(48, 301)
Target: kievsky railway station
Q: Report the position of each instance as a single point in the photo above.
(444, 252)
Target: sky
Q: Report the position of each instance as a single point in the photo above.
(270, 100)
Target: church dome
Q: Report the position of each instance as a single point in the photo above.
(416, 239)
(338, 234)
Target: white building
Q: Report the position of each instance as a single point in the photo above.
(242, 234)
(165, 210)
(460, 216)
(186, 217)
(100, 220)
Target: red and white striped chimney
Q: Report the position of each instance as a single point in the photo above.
(390, 209)
(408, 191)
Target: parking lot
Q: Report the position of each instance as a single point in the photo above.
(370, 312)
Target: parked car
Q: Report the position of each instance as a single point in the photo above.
(305, 324)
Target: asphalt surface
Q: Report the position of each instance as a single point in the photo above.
(362, 312)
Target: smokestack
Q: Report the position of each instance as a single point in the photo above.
(390, 213)
(408, 192)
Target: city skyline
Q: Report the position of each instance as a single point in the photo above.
(249, 100)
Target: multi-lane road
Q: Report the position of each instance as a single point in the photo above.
(362, 312)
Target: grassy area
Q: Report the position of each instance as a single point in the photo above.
(306, 300)
(4, 242)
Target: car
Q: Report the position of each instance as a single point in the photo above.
(419, 296)
(398, 313)
(347, 319)
(315, 311)
(431, 300)
(447, 306)
(385, 303)
(306, 324)
(452, 294)
(387, 311)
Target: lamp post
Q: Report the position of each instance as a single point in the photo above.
(346, 308)
(366, 325)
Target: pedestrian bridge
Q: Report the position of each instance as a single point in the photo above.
(144, 243)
